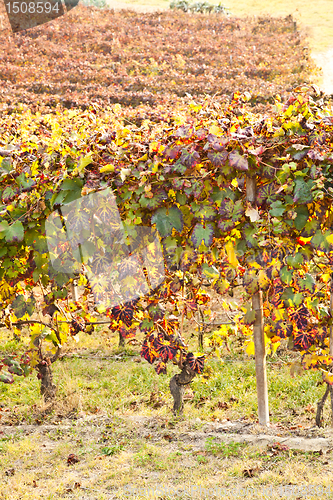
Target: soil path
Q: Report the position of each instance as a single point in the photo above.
(311, 439)
(324, 60)
(114, 4)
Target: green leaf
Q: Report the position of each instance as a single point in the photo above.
(6, 378)
(155, 201)
(203, 234)
(189, 158)
(203, 211)
(51, 337)
(277, 208)
(71, 184)
(295, 260)
(8, 193)
(249, 317)
(302, 190)
(298, 151)
(308, 283)
(181, 198)
(13, 366)
(218, 158)
(319, 241)
(13, 233)
(210, 272)
(5, 165)
(221, 286)
(20, 306)
(286, 275)
(230, 213)
(23, 181)
(301, 218)
(70, 190)
(168, 219)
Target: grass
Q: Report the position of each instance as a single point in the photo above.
(94, 369)
(113, 412)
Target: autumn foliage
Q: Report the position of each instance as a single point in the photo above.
(181, 170)
(153, 58)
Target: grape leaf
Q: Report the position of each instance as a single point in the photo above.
(238, 161)
(189, 158)
(307, 283)
(218, 158)
(230, 213)
(6, 378)
(250, 282)
(303, 340)
(266, 193)
(168, 219)
(202, 233)
(13, 233)
(302, 190)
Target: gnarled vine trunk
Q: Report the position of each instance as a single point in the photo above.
(177, 387)
(121, 341)
(47, 387)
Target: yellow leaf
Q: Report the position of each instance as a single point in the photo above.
(155, 168)
(325, 277)
(328, 377)
(107, 168)
(309, 360)
(125, 132)
(214, 129)
(329, 238)
(217, 353)
(263, 279)
(274, 346)
(234, 183)
(230, 250)
(82, 280)
(250, 348)
(86, 160)
(34, 168)
(143, 158)
(6, 291)
(195, 107)
(153, 146)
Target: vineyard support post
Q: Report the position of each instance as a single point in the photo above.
(329, 388)
(331, 342)
(258, 332)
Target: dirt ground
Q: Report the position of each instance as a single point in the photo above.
(95, 476)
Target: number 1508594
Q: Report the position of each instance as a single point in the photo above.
(32, 7)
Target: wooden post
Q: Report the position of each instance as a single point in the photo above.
(74, 291)
(329, 388)
(258, 332)
(331, 343)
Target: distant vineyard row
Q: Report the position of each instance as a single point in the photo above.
(150, 58)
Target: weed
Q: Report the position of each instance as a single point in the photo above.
(226, 450)
(201, 459)
(112, 450)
